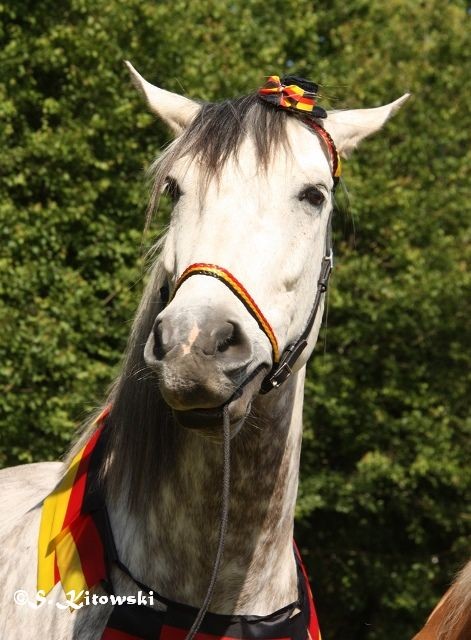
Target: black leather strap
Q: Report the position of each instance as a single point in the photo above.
(281, 371)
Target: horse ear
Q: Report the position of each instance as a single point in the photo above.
(348, 128)
(175, 110)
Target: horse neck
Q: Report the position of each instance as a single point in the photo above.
(169, 538)
(451, 618)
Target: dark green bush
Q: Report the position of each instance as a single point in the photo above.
(382, 513)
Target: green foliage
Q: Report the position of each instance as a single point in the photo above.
(381, 514)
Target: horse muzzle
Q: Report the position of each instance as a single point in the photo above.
(201, 357)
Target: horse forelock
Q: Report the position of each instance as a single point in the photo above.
(216, 135)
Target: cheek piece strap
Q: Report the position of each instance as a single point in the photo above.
(282, 370)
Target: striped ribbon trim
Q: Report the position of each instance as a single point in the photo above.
(238, 289)
(288, 96)
(332, 149)
(294, 97)
(314, 632)
(70, 547)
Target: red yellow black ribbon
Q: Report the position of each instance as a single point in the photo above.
(294, 97)
(238, 289)
(287, 96)
(332, 149)
(70, 548)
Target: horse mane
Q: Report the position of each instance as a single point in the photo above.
(456, 622)
(144, 441)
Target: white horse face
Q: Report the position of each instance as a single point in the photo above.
(267, 229)
(264, 225)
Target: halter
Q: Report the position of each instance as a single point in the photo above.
(301, 99)
(281, 370)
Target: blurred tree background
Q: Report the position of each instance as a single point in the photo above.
(382, 517)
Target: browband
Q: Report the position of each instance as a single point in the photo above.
(331, 148)
(297, 94)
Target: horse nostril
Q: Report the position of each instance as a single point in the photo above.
(159, 351)
(232, 337)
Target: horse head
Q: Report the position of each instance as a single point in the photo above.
(252, 189)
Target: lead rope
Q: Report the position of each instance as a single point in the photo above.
(222, 527)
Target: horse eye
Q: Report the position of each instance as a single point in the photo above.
(312, 195)
(172, 189)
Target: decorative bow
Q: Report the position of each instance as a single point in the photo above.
(292, 96)
(300, 95)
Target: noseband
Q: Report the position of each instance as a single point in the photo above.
(238, 289)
